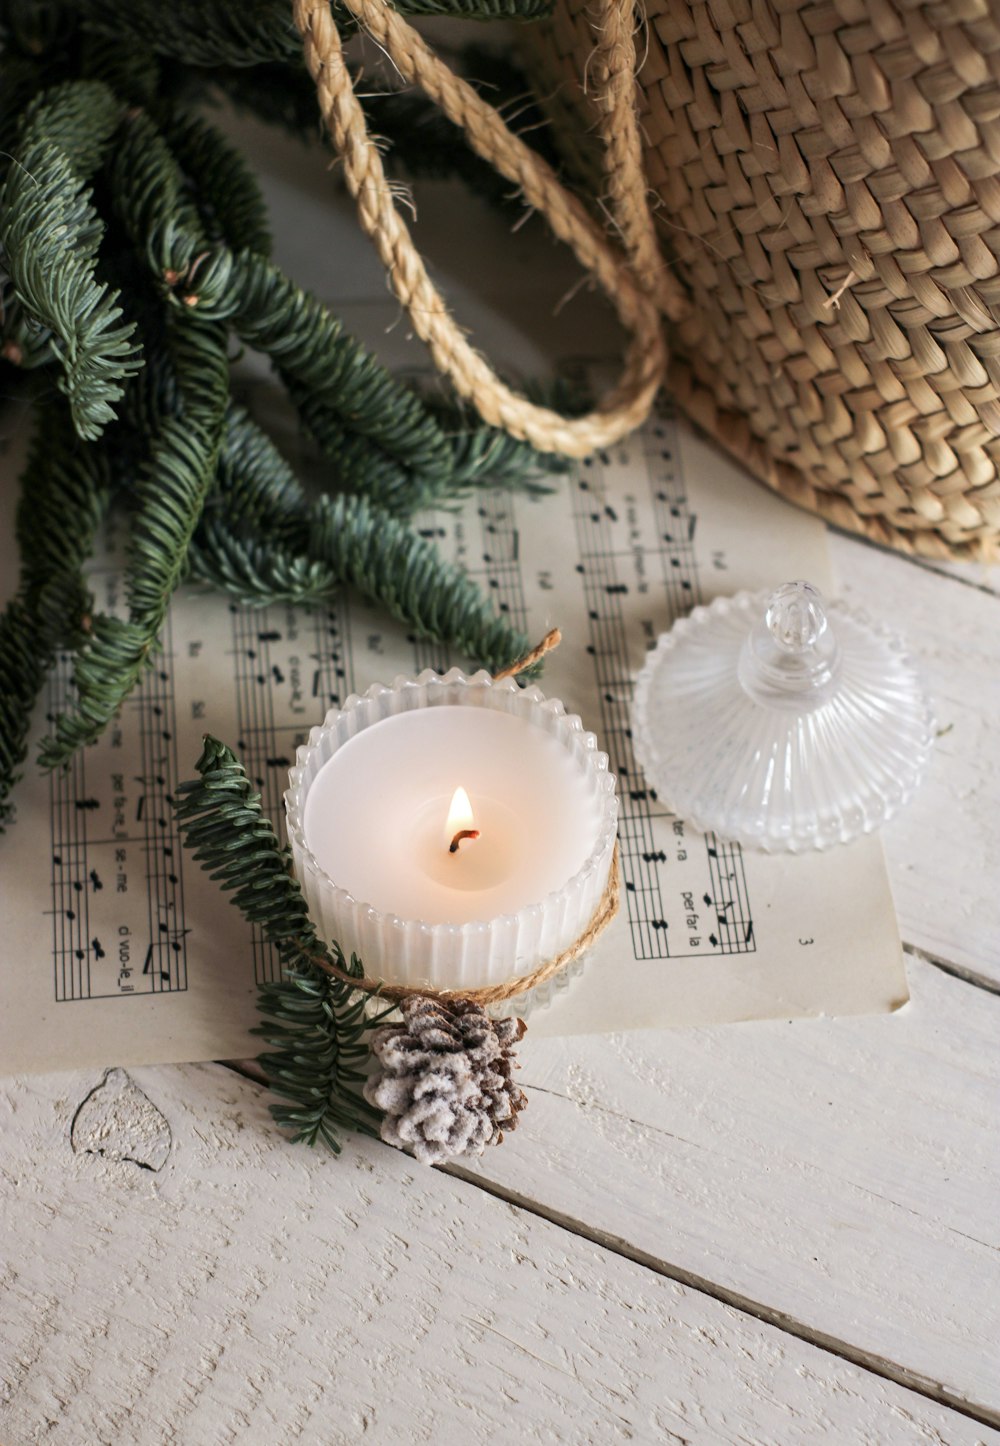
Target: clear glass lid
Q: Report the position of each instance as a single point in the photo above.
(781, 722)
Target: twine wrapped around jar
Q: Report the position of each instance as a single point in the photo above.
(509, 989)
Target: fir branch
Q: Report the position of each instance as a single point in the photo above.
(201, 32)
(348, 540)
(172, 493)
(79, 118)
(213, 33)
(258, 573)
(357, 462)
(257, 489)
(277, 94)
(32, 25)
(65, 490)
(170, 497)
(49, 235)
(64, 497)
(370, 425)
(315, 1030)
(229, 199)
(186, 227)
(133, 72)
(389, 563)
(22, 80)
(309, 348)
(154, 203)
(23, 666)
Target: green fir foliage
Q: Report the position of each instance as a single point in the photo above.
(184, 233)
(49, 235)
(135, 262)
(316, 1027)
(65, 496)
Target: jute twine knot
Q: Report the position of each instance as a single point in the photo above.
(636, 281)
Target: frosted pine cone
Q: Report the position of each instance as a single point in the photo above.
(445, 1078)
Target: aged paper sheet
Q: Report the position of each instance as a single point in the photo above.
(118, 950)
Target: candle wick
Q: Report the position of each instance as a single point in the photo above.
(462, 833)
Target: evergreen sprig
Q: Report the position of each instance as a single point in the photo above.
(66, 493)
(134, 254)
(405, 573)
(230, 202)
(315, 1026)
(170, 499)
(215, 32)
(49, 234)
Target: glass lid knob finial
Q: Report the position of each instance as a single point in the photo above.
(796, 617)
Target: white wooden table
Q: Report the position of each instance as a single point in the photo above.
(764, 1233)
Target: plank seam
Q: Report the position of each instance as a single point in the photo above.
(875, 1365)
(954, 971)
(896, 1373)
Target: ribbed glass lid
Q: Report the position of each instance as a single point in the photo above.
(780, 722)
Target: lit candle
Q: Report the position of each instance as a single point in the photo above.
(461, 823)
(451, 831)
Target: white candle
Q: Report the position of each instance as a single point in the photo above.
(371, 824)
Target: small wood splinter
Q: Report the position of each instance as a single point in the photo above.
(462, 833)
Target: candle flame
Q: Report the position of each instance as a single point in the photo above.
(461, 819)
(460, 814)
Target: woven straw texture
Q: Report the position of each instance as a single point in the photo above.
(827, 189)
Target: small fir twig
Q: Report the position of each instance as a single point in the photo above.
(315, 1026)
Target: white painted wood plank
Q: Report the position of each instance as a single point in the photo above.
(240, 1289)
(944, 850)
(844, 1174)
(982, 575)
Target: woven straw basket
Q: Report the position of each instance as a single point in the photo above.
(827, 187)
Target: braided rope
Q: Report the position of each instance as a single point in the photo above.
(637, 285)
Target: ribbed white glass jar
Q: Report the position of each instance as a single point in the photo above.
(366, 824)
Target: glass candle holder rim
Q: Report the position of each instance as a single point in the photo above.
(570, 724)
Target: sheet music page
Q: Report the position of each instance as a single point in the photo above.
(118, 949)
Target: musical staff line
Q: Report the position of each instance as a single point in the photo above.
(144, 950)
(283, 660)
(604, 593)
(615, 546)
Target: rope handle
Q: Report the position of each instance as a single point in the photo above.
(637, 283)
